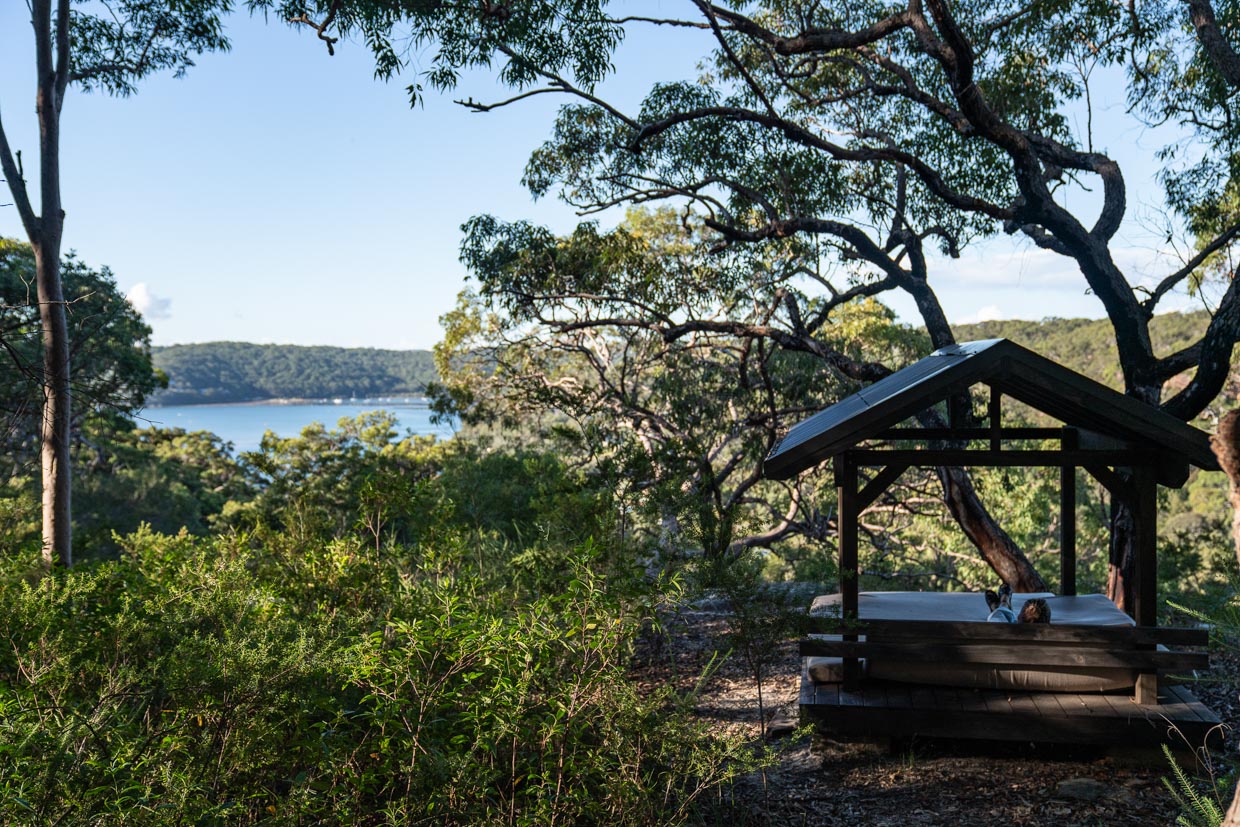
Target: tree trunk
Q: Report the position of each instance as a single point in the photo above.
(983, 530)
(52, 57)
(1226, 444)
(1121, 574)
(1122, 569)
(55, 428)
(996, 547)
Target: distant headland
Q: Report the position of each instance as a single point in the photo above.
(235, 372)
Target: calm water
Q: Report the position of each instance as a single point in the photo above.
(244, 425)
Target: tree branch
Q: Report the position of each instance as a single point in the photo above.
(800, 135)
(1213, 42)
(568, 87)
(62, 51)
(475, 106)
(1213, 358)
(320, 29)
(814, 40)
(1193, 263)
(17, 186)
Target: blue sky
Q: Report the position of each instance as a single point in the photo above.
(276, 194)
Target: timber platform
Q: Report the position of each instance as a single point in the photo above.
(883, 709)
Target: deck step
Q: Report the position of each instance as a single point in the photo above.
(884, 709)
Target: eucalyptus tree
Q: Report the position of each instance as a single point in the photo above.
(661, 365)
(887, 132)
(108, 45)
(884, 131)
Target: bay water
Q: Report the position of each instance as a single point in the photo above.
(244, 424)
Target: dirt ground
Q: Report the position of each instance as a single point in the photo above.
(821, 782)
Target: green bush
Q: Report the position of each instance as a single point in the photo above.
(127, 700)
(240, 681)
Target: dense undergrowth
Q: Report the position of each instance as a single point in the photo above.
(389, 633)
(228, 681)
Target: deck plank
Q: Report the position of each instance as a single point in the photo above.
(1047, 706)
(924, 698)
(882, 710)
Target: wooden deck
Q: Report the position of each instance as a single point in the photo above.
(884, 709)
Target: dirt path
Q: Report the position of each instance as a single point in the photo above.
(923, 783)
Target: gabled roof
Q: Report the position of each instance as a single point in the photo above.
(1014, 371)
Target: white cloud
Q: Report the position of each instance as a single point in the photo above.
(149, 304)
(989, 313)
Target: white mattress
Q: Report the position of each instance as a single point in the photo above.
(1091, 609)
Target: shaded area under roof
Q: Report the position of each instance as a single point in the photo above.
(1014, 371)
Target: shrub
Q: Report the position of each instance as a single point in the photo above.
(242, 681)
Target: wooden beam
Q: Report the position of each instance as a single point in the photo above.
(995, 415)
(996, 459)
(1145, 523)
(1115, 485)
(969, 433)
(1020, 655)
(875, 487)
(1146, 689)
(1058, 717)
(1067, 519)
(957, 409)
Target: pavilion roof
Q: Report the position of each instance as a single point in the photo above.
(1043, 384)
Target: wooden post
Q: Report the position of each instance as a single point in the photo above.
(846, 490)
(1067, 518)
(994, 414)
(1145, 524)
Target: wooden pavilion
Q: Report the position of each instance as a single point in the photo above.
(887, 656)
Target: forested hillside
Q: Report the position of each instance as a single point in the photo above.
(1088, 345)
(244, 372)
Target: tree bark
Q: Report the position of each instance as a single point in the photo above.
(1226, 444)
(55, 428)
(994, 544)
(1121, 574)
(46, 232)
(996, 547)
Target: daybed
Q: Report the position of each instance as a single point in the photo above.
(941, 639)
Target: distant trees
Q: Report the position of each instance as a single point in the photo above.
(110, 48)
(106, 336)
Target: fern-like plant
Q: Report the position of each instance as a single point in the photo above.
(1197, 810)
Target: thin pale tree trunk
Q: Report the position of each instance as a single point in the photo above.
(52, 48)
(45, 231)
(55, 426)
